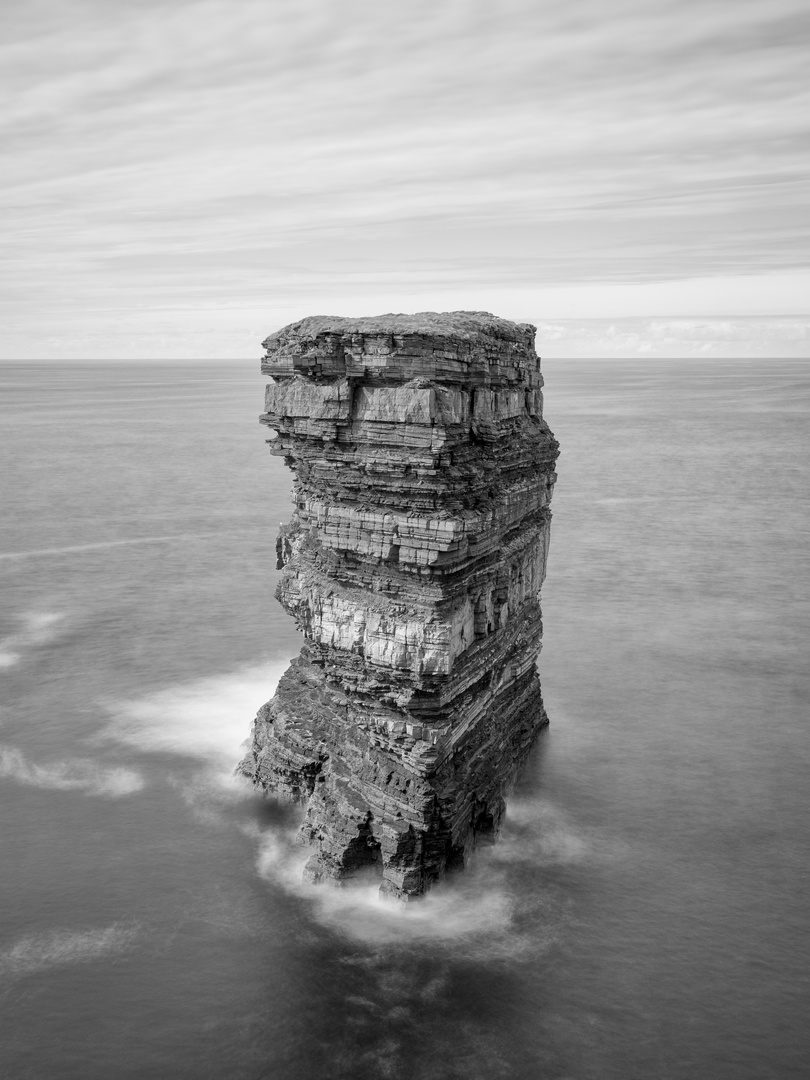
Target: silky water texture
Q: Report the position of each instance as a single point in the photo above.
(645, 913)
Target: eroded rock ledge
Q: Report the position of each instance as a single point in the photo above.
(413, 564)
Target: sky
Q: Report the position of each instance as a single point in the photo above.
(181, 177)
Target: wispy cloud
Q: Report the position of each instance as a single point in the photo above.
(204, 154)
(701, 338)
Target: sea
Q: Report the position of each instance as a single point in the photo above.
(646, 912)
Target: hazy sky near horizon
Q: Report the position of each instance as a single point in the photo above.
(182, 163)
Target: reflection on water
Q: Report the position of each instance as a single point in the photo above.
(644, 913)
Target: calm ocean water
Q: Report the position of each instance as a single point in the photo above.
(646, 913)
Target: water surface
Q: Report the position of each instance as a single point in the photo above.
(645, 914)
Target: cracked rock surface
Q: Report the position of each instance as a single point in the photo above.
(423, 471)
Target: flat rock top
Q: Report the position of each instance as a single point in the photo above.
(457, 324)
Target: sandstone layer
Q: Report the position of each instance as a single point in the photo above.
(423, 471)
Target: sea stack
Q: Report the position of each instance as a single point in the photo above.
(423, 471)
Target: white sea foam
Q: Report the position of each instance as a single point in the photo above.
(207, 719)
(484, 907)
(39, 627)
(480, 905)
(75, 774)
(444, 915)
(38, 952)
(211, 792)
(539, 831)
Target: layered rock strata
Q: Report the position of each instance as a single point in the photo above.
(423, 471)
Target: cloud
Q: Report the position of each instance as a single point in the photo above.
(191, 153)
(679, 338)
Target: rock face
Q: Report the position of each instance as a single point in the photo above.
(413, 564)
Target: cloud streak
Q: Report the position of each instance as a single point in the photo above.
(206, 154)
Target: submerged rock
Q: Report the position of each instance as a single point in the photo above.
(412, 565)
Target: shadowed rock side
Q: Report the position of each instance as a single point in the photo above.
(413, 564)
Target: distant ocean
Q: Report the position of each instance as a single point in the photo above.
(647, 911)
